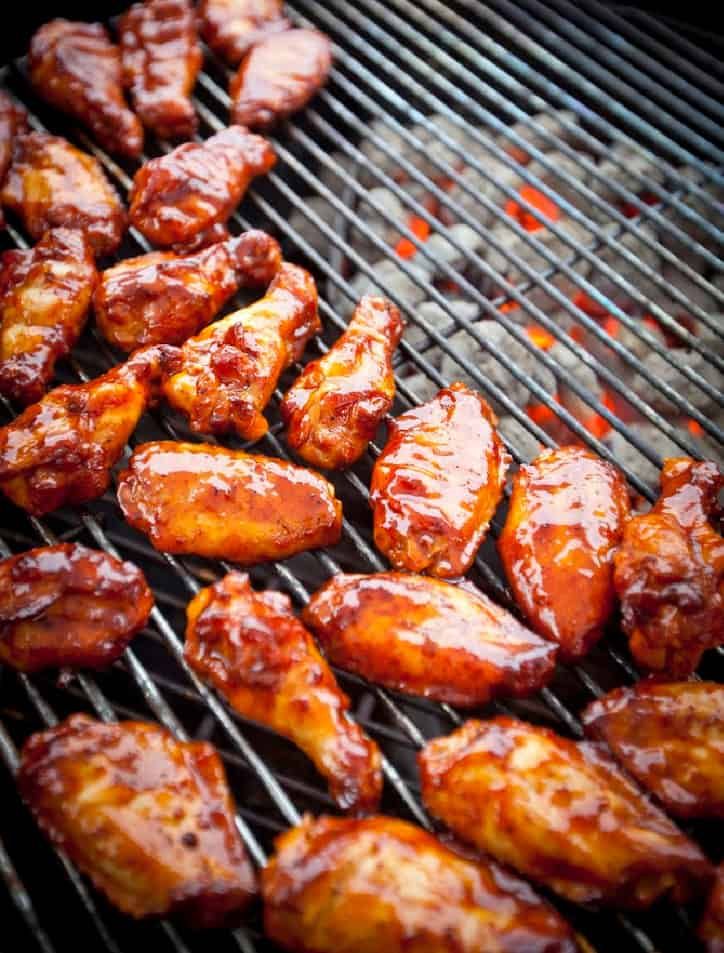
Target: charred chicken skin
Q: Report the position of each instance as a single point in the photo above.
(76, 68)
(711, 928)
(147, 817)
(437, 483)
(185, 192)
(566, 518)
(336, 404)
(67, 605)
(232, 27)
(427, 637)
(380, 885)
(164, 298)
(252, 648)
(560, 812)
(161, 59)
(227, 504)
(226, 375)
(669, 571)
(670, 737)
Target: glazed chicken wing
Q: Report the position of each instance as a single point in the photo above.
(227, 373)
(669, 571)
(336, 404)
(381, 885)
(13, 122)
(69, 606)
(711, 928)
(232, 27)
(187, 191)
(76, 68)
(427, 637)
(437, 483)
(161, 59)
(560, 812)
(147, 817)
(226, 504)
(567, 514)
(51, 184)
(164, 298)
(253, 649)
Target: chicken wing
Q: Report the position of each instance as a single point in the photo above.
(232, 27)
(670, 737)
(711, 928)
(253, 649)
(381, 885)
(336, 404)
(76, 68)
(51, 184)
(161, 59)
(278, 77)
(219, 232)
(185, 192)
(68, 605)
(164, 298)
(437, 483)
(567, 514)
(227, 373)
(61, 450)
(13, 122)
(226, 504)
(147, 817)
(44, 297)
(427, 637)
(669, 571)
(560, 812)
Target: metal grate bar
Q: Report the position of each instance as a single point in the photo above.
(677, 39)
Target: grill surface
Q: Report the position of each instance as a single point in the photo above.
(630, 80)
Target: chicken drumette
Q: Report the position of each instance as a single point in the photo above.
(13, 122)
(232, 27)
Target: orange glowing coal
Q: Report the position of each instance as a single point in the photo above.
(598, 425)
(540, 337)
(548, 210)
(405, 248)
(590, 307)
(694, 427)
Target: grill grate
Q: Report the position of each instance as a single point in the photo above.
(485, 72)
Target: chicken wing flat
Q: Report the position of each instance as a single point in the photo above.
(711, 928)
(226, 504)
(336, 404)
(380, 885)
(67, 605)
(164, 298)
(197, 185)
(670, 737)
(76, 68)
(437, 483)
(253, 649)
(232, 27)
(51, 184)
(13, 122)
(45, 292)
(147, 817)
(669, 571)
(227, 373)
(61, 450)
(560, 812)
(567, 514)
(161, 59)
(278, 77)
(427, 637)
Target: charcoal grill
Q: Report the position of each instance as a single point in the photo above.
(491, 70)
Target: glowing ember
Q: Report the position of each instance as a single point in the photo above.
(542, 414)
(420, 229)
(694, 427)
(540, 337)
(549, 211)
(508, 306)
(611, 326)
(590, 307)
(598, 425)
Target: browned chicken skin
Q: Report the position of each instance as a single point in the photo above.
(13, 122)
(147, 817)
(76, 68)
(560, 812)
(199, 184)
(51, 184)
(278, 77)
(214, 234)
(669, 571)
(336, 404)
(227, 504)
(437, 483)
(232, 27)
(164, 298)
(253, 649)
(567, 514)
(670, 737)
(382, 885)
(68, 605)
(427, 637)
(711, 928)
(45, 292)
(161, 59)
(227, 373)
